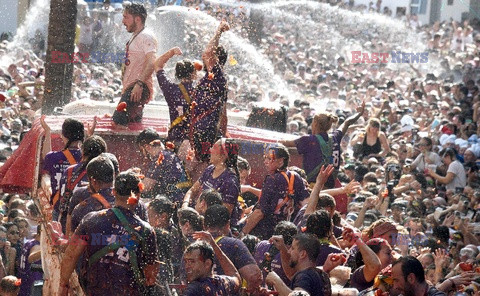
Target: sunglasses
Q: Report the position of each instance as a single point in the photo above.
(14, 232)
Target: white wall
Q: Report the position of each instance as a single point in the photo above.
(454, 11)
(8, 16)
(392, 4)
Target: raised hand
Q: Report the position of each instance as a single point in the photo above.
(44, 125)
(177, 51)
(204, 235)
(324, 173)
(440, 256)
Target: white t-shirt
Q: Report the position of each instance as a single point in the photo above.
(460, 179)
(144, 43)
(433, 158)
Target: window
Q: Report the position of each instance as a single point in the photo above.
(418, 7)
(450, 2)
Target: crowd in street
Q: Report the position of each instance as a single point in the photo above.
(385, 202)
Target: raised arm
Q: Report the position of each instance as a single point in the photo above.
(352, 119)
(209, 56)
(163, 59)
(322, 177)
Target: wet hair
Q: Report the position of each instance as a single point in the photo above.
(32, 207)
(251, 242)
(193, 217)
(242, 164)
(137, 9)
(324, 121)
(280, 151)
(206, 251)
(211, 197)
(3, 229)
(319, 223)
(369, 230)
(184, 69)
(232, 149)
(114, 161)
(428, 140)
(287, 230)
(441, 233)
(73, 130)
(222, 55)
(8, 284)
(126, 183)
(299, 171)
(92, 147)
(375, 245)
(101, 169)
(410, 265)
(309, 243)
(161, 204)
(325, 200)
(216, 216)
(14, 214)
(146, 136)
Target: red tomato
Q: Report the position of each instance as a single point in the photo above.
(466, 266)
(122, 107)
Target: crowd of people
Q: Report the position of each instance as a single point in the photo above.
(385, 202)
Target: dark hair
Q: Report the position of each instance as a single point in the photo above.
(9, 225)
(73, 130)
(287, 230)
(92, 147)
(206, 251)
(428, 140)
(309, 243)
(251, 242)
(375, 244)
(232, 149)
(280, 151)
(410, 265)
(441, 233)
(146, 136)
(101, 169)
(319, 223)
(8, 284)
(161, 204)
(18, 220)
(137, 9)
(14, 214)
(449, 152)
(126, 183)
(211, 197)
(114, 161)
(184, 69)
(216, 216)
(242, 164)
(325, 200)
(193, 217)
(222, 55)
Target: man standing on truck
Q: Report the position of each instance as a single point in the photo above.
(138, 66)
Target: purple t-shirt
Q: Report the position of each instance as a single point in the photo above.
(79, 195)
(274, 190)
(325, 250)
(309, 147)
(227, 184)
(167, 175)
(25, 272)
(177, 105)
(216, 286)
(276, 263)
(315, 282)
(236, 251)
(208, 93)
(112, 274)
(55, 163)
(358, 281)
(90, 204)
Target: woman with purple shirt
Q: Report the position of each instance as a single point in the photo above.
(321, 148)
(178, 96)
(222, 175)
(30, 265)
(276, 202)
(55, 162)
